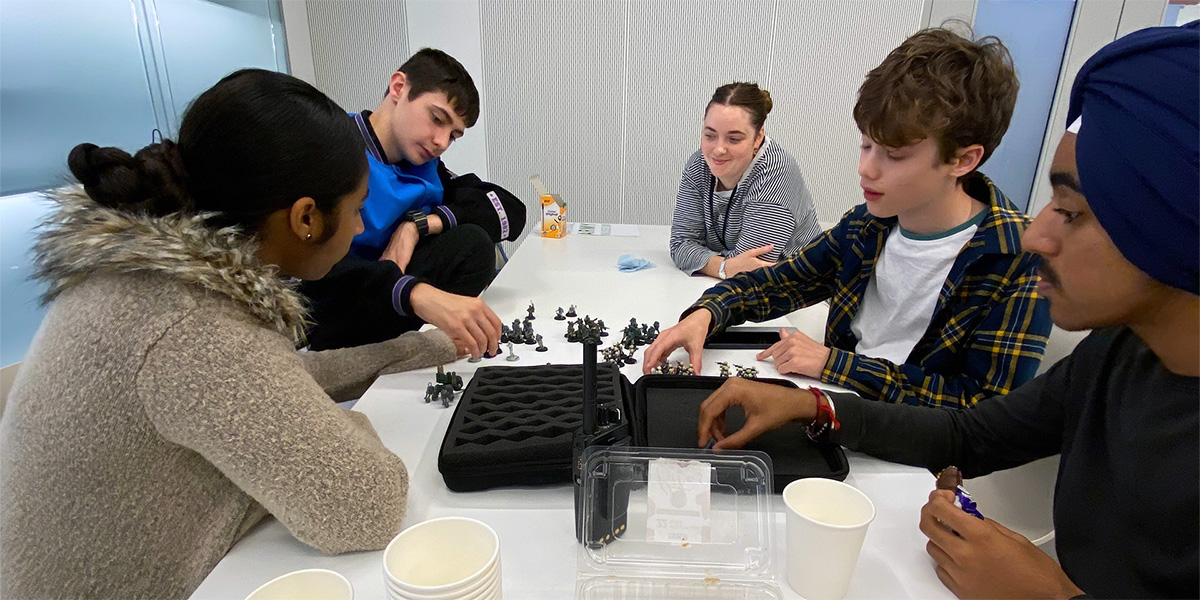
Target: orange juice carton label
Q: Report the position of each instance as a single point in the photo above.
(554, 216)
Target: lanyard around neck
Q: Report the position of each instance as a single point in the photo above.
(729, 206)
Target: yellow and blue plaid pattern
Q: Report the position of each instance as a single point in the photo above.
(989, 328)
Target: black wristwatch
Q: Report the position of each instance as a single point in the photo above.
(420, 219)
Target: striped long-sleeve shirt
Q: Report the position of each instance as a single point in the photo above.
(989, 327)
(769, 205)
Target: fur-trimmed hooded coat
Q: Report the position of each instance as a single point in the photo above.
(162, 410)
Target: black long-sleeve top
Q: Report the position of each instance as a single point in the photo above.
(1127, 500)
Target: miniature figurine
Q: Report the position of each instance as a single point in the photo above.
(530, 309)
(430, 392)
(540, 346)
(571, 311)
(724, 367)
(558, 316)
(511, 356)
(747, 372)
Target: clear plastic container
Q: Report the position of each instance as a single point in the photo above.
(676, 523)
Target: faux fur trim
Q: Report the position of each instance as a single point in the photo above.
(82, 238)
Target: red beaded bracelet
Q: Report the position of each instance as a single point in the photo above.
(826, 421)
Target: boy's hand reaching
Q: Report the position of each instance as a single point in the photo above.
(688, 334)
(797, 353)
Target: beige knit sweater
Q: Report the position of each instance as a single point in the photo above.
(162, 410)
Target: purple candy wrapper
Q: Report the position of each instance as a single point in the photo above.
(964, 501)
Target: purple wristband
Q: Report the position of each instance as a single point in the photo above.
(400, 295)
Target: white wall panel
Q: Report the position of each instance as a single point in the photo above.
(823, 51)
(356, 46)
(554, 72)
(605, 99)
(428, 27)
(680, 51)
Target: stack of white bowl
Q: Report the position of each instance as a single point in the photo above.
(451, 558)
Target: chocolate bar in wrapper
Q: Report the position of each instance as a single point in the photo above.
(951, 479)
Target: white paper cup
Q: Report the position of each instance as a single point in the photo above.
(309, 584)
(826, 523)
(442, 559)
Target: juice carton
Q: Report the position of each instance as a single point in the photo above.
(554, 216)
(554, 210)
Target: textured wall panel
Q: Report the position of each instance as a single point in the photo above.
(679, 52)
(357, 45)
(554, 81)
(604, 98)
(823, 51)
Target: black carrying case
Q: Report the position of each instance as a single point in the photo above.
(516, 425)
(666, 408)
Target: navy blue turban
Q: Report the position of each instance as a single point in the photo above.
(1138, 100)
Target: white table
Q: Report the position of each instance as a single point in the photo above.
(536, 525)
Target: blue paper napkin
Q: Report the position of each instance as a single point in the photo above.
(628, 263)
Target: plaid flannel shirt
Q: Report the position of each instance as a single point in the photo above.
(989, 327)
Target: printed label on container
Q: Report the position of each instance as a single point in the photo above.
(678, 501)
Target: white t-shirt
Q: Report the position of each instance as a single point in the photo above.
(903, 291)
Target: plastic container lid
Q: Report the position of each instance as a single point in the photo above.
(689, 522)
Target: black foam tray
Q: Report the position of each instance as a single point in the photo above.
(516, 425)
(665, 413)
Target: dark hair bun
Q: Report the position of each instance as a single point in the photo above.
(152, 181)
(767, 104)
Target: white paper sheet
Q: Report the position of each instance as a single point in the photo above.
(612, 229)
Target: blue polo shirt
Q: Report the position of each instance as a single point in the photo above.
(393, 190)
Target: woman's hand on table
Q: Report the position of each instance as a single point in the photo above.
(688, 334)
(797, 353)
(748, 260)
(469, 322)
(767, 407)
(984, 559)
